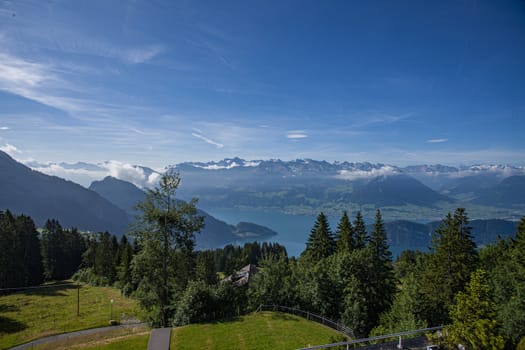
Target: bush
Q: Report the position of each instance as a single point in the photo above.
(201, 302)
(89, 276)
(196, 304)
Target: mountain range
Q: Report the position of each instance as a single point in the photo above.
(422, 193)
(106, 206)
(306, 186)
(425, 192)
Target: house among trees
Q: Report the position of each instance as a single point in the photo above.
(243, 276)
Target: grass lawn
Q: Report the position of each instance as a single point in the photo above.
(37, 313)
(128, 338)
(264, 330)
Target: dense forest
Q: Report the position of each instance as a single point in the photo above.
(347, 274)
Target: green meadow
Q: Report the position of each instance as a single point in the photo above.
(36, 313)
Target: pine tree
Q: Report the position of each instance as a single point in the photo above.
(10, 260)
(449, 266)
(320, 243)
(52, 245)
(505, 262)
(345, 235)
(124, 268)
(360, 231)
(20, 257)
(105, 258)
(32, 269)
(382, 283)
(205, 267)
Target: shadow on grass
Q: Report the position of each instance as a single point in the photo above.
(8, 325)
(223, 320)
(8, 308)
(50, 289)
(283, 316)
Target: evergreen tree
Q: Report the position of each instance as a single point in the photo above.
(360, 231)
(378, 241)
(52, 247)
(355, 310)
(31, 269)
(205, 267)
(403, 315)
(105, 258)
(320, 243)
(10, 260)
(345, 235)
(166, 232)
(505, 262)
(74, 247)
(449, 266)
(382, 282)
(473, 317)
(20, 257)
(124, 267)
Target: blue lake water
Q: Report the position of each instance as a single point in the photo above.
(293, 230)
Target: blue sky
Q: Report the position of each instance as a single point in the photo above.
(161, 82)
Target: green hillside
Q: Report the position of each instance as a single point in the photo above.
(265, 330)
(36, 313)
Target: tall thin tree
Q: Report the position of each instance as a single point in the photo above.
(164, 228)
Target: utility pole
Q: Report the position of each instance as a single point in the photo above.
(78, 299)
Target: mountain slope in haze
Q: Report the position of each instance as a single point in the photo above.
(25, 191)
(507, 193)
(215, 232)
(123, 194)
(403, 235)
(396, 190)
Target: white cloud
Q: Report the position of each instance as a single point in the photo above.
(126, 172)
(437, 140)
(10, 149)
(359, 174)
(207, 140)
(296, 134)
(4, 128)
(88, 173)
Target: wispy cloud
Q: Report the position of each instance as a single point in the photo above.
(141, 55)
(365, 119)
(296, 134)
(18, 73)
(207, 140)
(437, 140)
(4, 128)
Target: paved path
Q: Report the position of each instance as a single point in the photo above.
(63, 336)
(159, 339)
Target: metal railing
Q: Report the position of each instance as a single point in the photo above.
(379, 337)
(309, 316)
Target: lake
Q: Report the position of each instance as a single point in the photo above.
(293, 230)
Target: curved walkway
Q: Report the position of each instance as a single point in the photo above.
(63, 336)
(159, 339)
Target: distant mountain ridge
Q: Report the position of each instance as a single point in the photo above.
(25, 191)
(307, 186)
(105, 206)
(403, 234)
(215, 232)
(396, 190)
